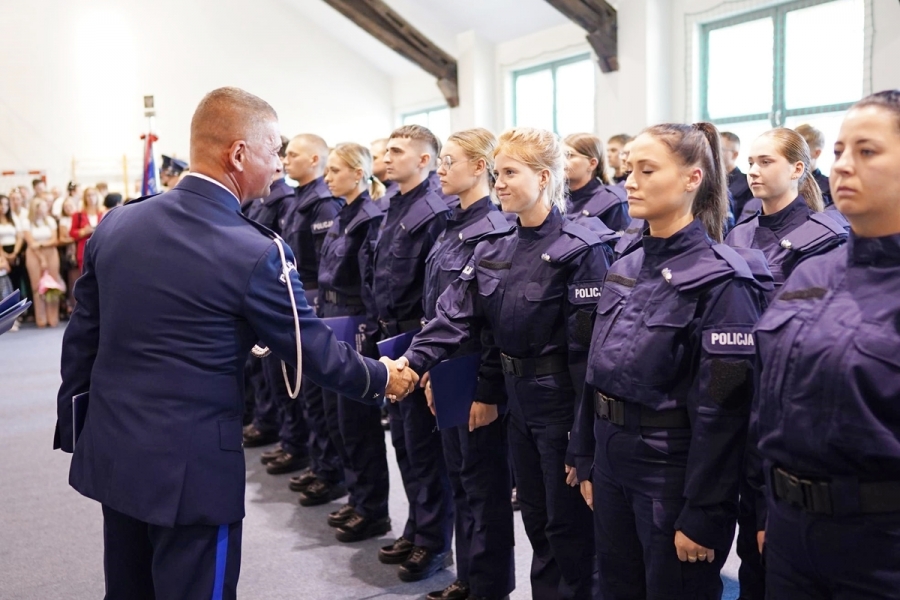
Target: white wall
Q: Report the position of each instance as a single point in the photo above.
(74, 73)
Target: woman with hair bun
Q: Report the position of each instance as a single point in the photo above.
(534, 289)
(661, 427)
(589, 191)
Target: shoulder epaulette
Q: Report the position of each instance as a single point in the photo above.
(696, 269)
(423, 212)
(494, 223)
(367, 212)
(603, 199)
(576, 239)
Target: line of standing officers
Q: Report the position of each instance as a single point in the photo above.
(652, 378)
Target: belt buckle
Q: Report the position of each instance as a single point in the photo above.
(509, 365)
(603, 408)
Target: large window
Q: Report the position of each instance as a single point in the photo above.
(558, 96)
(435, 119)
(799, 62)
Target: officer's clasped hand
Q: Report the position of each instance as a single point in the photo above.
(402, 379)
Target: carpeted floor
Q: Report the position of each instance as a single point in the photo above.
(50, 536)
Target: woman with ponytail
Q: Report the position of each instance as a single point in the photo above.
(792, 226)
(660, 429)
(590, 194)
(354, 428)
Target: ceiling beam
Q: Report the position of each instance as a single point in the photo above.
(599, 19)
(384, 24)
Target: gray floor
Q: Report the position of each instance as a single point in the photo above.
(50, 537)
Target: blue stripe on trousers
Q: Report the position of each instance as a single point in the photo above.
(221, 556)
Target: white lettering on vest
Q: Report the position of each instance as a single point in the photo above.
(584, 293)
(732, 339)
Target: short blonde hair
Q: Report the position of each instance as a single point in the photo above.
(540, 150)
(815, 139)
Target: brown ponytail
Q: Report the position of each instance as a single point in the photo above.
(699, 145)
(588, 144)
(794, 149)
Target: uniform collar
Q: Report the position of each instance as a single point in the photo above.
(880, 251)
(210, 188)
(415, 193)
(478, 209)
(788, 218)
(350, 210)
(311, 192)
(553, 221)
(692, 235)
(584, 193)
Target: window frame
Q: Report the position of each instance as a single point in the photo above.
(779, 113)
(422, 111)
(552, 66)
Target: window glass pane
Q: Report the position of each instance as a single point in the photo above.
(824, 54)
(740, 73)
(575, 98)
(830, 125)
(419, 118)
(439, 123)
(747, 132)
(534, 100)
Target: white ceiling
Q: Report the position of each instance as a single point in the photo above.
(440, 20)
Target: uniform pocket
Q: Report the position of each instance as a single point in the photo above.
(544, 302)
(231, 434)
(662, 347)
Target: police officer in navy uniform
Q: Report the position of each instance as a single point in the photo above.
(826, 418)
(379, 171)
(661, 427)
(355, 429)
(159, 340)
(171, 171)
(534, 288)
(476, 452)
(415, 218)
(589, 191)
(737, 180)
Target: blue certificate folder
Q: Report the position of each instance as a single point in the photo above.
(453, 385)
(394, 347)
(348, 329)
(79, 414)
(10, 309)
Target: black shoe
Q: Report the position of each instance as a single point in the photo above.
(455, 591)
(287, 463)
(396, 553)
(322, 492)
(299, 483)
(358, 528)
(515, 500)
(423, 563)
(340, 516)
(270, 455)
(254, 438)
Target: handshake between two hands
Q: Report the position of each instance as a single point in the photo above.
(402, 380)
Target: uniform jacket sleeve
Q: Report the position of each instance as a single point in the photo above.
(719, 404)
(79, 350)
(331, 364)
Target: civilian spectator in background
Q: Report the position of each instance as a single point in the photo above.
(58, 199)
(41, 258)
(11, 242)
(102, 188)
(39, 186)
(27, 195)
(83, 223)
(111, 201)
(19, 210)
(614, 148)
(68, 263)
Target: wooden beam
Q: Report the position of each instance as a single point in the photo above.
(384, 24)
(599, 19)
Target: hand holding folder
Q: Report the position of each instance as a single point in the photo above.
(453, 386)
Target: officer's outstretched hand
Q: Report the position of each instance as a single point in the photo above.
(690, 551)
(402, 379)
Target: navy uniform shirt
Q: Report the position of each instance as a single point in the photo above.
(160, 340)
(535, 288)
(789, 236)
(740, 192)
(269, 211)
(312, 214)
(413, 222)
(673, 329)
(829, 389)
(608, 203)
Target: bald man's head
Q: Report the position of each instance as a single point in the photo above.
(305, 158)
(235, 140)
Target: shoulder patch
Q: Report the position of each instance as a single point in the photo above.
(729, 339)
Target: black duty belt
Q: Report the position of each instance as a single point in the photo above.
(310, 285)
(630, 413)
(823, 496)
(337, 298)
(394, 327)
(534, 367)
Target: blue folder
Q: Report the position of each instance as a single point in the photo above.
(394, 347)
(453, 386)
(79, 414)
(11, 313)
(348, 329)
(9, 301)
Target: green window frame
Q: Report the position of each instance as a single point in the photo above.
(779, 112)
(553, 67)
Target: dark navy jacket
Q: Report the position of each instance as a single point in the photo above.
(789, 236)
(631, 237)
(535, 288)
(391, 189)
(829, 386)
(608, 203)
(825, 186)
(740, 192)
(176, 290)
(673, 330)
(413, 223)
(271, 210)
(312, 214)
